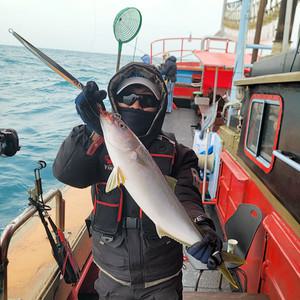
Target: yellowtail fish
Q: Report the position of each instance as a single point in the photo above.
(137, 171)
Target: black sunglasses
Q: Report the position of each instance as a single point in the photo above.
(144, 100)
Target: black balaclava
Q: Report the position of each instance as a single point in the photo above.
(139, 121)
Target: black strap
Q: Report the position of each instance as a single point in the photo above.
(131, 223)
(60, 249)
(88, 223)
(135, 255)
(48, 232)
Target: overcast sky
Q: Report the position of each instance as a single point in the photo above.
(86, 25)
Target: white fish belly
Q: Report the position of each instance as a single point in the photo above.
(149, 189)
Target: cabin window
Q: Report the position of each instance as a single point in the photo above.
(262, 129)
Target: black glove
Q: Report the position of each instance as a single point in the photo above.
(87, 105)
(209, 248)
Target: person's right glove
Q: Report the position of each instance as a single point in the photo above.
(87, 105)
(209, 248)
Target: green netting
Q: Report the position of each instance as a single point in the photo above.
(127, 24)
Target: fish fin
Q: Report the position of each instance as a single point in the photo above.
(171, 181)
(121, 177)
(116, 178)
(223, 269)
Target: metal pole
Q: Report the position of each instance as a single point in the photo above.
(205, 166)
(207, 136)
(259, 24)
(221, 31)
(181, 51)
(287, 23)
(240, 52)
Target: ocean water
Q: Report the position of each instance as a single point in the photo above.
(39, 104)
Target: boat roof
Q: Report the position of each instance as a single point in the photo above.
(272, 78)
(218, 59)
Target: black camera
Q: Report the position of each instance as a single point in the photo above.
(9, 142)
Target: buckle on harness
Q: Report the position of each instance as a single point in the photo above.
(131, 223)
(106, 238)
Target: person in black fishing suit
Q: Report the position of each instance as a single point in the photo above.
(168, 69)
(134, 262)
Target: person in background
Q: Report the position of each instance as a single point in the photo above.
(168, 70)
(165, 56)
(145, 59)
(135, 262)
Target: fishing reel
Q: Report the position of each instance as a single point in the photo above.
(9, 142)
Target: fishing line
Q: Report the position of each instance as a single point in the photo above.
(135, 44)
(138, 49)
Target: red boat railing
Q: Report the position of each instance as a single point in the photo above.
(180, 52)
(186, 46)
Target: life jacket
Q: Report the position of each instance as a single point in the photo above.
(109, 208)
(116, 211)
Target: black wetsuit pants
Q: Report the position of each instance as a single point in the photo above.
(108, 289)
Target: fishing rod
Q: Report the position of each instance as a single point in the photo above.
(48, 61)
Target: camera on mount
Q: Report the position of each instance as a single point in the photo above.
(9, 142)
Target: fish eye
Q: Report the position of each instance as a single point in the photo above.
(122, 125)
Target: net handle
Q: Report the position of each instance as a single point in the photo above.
(119, 56)
(120, 43)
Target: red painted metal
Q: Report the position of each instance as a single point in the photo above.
(189, 65)
(231, 190)
(209, 62)
(277, 98)
(212, 53)
(273, 262)
(224, 79)
(281, 268)
(216, 59)
(83, 275)
(184, 91)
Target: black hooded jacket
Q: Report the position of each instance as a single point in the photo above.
(125, 241)
(169, 69)
(142, 255)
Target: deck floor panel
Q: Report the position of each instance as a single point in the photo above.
(179, 122)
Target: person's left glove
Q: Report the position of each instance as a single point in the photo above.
(209, 248)
(87, 105)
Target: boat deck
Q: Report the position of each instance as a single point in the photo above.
(179, 122)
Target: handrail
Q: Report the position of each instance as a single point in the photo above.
(181, 49)
(13, 226)
(204, 45)
(287, 160)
